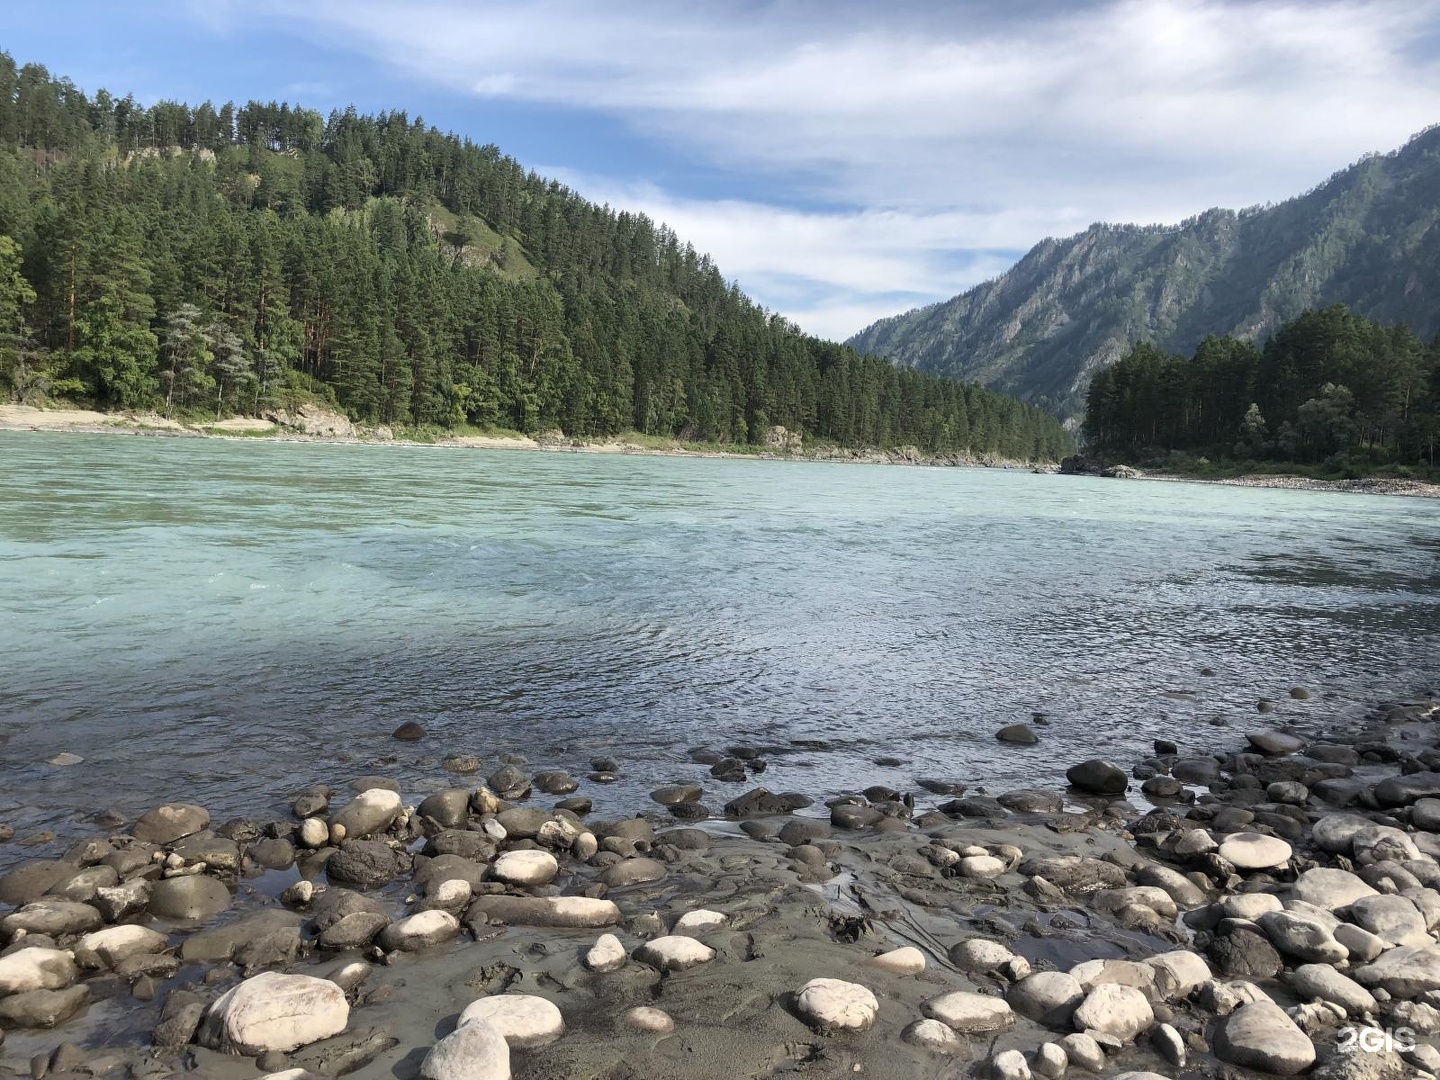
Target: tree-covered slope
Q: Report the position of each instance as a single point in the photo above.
(1367, 238)
(217, 259)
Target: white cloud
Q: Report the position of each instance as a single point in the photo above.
(944, 128)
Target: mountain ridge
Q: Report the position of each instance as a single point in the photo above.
(1367, 237)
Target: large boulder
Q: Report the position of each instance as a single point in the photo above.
(366, 863)
(171, 822)
(1404, 972)
(1335, 833)
(1255, 851)
(189, 898)
(370, 812)
(31, 880)
(969, 1013)
(1312, 981)
(106, 948)
(835, 1005)
(1260, 1036)
(1395, 919)
(1047, 997)
(1178, 974)
(1403, 790)
(474, 1051)
(1305, 939)
(277, 1012)
(1097, 777)
(1329, 888)
(36, 968)
(51, 917)
(674, 952)
(559, 911)
(421, 931)
(1075, 873)
(1275, 743)
(521, 1019)
(43, 1008)
(531, 868)
(1121, 1012)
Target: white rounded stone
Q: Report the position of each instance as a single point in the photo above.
(421, 931)
(36, 968)
(970, 1013)
(1010, 1065)
(1119, 1011)
(528, 868)
(472, 1052)
(1255, 851)
(271, 1011)
(981, 867)
(906, 960)
(106, 948)
(521, 1019)
(980, 955)
(834, 1005)
(314, 833)
(675, 952)
(607, 954)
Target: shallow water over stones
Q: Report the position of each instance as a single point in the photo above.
(225, 623)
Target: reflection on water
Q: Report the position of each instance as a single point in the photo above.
(231, 621)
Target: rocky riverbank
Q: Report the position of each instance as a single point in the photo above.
(1268, 910)
(1079, 465)
(312, 423)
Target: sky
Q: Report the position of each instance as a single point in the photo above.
(842, 161)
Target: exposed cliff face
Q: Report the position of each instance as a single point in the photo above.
(1369, 237)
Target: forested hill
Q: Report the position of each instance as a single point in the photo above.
(1369, 238)
(204, 258)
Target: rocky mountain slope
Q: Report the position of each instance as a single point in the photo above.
(1369, 237)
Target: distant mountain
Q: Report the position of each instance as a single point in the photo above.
(1369, 238)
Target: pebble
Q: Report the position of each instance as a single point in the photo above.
(648, 1019)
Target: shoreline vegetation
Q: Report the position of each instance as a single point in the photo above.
(314, 424)
(1244, 909)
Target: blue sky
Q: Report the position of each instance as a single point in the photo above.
(841, 160)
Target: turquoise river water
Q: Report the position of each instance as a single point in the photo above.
(229, 621)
